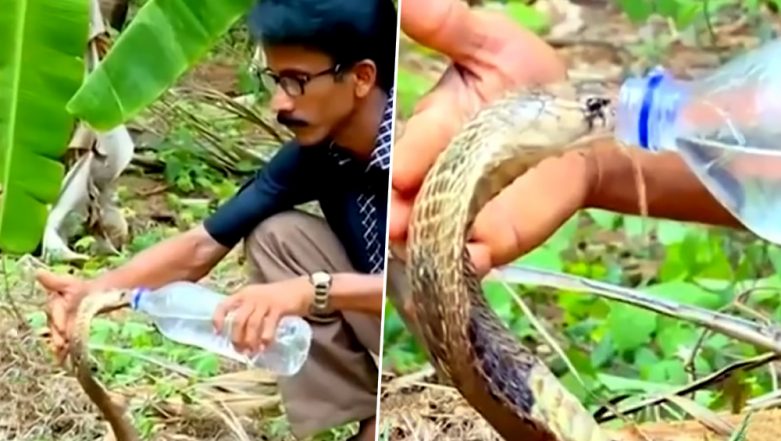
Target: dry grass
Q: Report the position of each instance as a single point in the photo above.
(42, 401)
(415, 407)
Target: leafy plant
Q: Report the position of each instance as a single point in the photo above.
(40, 69)
(162, 42)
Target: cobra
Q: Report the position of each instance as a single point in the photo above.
(467, 342)
(78, 350)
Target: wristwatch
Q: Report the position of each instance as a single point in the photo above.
(321, 281)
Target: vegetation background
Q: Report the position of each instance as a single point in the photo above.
(196, 143)
(620, 352)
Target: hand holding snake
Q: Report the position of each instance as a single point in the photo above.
(435, 208)
(71, 307)
(490, 55)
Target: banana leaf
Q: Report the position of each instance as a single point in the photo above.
(41, 67)
(164, 40)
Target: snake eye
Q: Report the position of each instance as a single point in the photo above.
(596, 104)
(595, 109)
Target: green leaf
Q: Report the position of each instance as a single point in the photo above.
(618, 384)
(394, 327)
(548, 255)
(603, 218)
(774, 254)
(543, 257)
(636, 225)
(671, 231)
(207, 364)
(630, 326)
(41, 67)
(667, 8)
(499, 298)
(645, 357)
(102, 331)
(688, 12)
(575, 387)
(37, 320)
(667, 371)
(636, 10)
(164, 40)
(603, 353)
(561, 239)
(673, 339)
(581, 362)
(528, 17)
(687, 293)
(575, 306)
(673, 266)
(410, 86)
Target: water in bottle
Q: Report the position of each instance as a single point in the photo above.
(726, 126)
(183, 312)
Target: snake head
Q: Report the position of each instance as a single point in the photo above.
(124, 297)
(110, 300)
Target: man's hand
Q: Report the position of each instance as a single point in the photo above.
(258, 309)
(65, 294)
(491, 54)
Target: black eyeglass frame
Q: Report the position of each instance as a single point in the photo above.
(295, 84)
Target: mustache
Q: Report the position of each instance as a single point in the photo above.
(289, 121)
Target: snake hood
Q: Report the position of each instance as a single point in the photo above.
(468, 343)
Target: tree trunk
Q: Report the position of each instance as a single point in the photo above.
(115, 11)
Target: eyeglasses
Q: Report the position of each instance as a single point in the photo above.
(293, 84)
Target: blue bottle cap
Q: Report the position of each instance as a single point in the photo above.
(137, 296)
(653, 81)
(647, 108)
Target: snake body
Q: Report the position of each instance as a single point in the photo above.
(467, 342)
(91, 305)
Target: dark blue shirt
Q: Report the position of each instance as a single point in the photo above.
(353, 195)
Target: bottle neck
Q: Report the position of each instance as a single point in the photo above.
(136, 297)
(648, 110)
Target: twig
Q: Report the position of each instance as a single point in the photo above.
(708, 24)
(181, 370)
(702, 414)
(716, 377)
(242, 111)
(689, 364)
(545, 334)
(738, 303)
(156, 190)
(554, 345)
(765, 336)
(561, 42)
(19, 317)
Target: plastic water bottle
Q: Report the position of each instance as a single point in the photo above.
(726, 126)
(183, 312)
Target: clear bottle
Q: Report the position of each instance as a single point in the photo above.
(725, 125)
(183, 312)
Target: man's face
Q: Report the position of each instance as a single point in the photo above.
(309, 98)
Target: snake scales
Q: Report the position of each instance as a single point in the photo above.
(468, 343)
(91, 305)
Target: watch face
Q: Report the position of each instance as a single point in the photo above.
(320, 277)
(322, 282)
